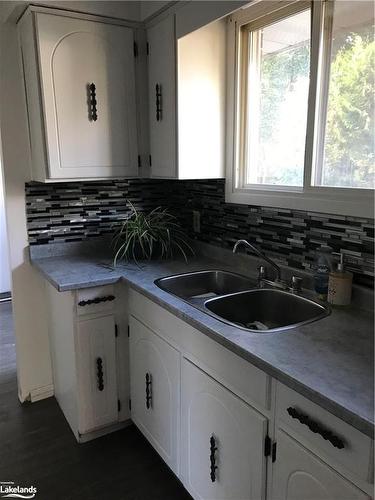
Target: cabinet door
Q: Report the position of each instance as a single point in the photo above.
(237, 450)
(74, 54)
(162, 107)
(154, 389)
(96, 367)
(298, 474)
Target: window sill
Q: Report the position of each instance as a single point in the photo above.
(328, 201)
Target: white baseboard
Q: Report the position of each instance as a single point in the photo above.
(83, 438)
(41, 393)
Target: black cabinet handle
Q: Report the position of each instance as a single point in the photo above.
(213, 466)
(158, 101)
(148, 390)
(316, 428)
(97, 300)
(99, 374)
(93, 113)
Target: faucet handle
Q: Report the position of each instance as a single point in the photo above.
(262, 273)
(296, 283)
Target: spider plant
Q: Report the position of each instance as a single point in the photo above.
(142, 236)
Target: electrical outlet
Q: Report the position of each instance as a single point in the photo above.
(196, 221)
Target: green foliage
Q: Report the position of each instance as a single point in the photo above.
(146, 235)
(349, 140)
(349, 147)
(279, 71)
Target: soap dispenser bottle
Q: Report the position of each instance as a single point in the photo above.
(322, 267)
(340, 285)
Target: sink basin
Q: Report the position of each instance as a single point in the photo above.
(204, 284)
(265, 310)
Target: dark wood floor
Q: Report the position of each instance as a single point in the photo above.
(37, 448)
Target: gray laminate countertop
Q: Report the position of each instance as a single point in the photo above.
(329, 361)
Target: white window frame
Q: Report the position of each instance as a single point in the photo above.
(330, 200)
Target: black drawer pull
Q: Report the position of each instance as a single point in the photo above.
(99, 374)
(97, 300)
(213, 466)
(316, 428)
(158, 102)
(93, 113)
(148, 390)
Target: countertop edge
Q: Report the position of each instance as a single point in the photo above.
(77, 285)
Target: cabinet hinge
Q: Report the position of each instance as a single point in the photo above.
(135, 49)
(139, 161)
(267, 446)
(118, 405)
(128, 331)
(270, 448)
(116, 331)
(147, 48)
(130, 404)
(274, 452)
(150, 160)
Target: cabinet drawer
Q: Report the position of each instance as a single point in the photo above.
(328, 436)
(99, 299)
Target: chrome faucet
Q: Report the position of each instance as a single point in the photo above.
(261, 255)
(295, 283)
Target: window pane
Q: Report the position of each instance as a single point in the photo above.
(348, 159)
(278, 85)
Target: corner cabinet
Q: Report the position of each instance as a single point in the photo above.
(80, 91)
(187, 100)
(155, 390)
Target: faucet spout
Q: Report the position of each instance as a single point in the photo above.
(259, 254)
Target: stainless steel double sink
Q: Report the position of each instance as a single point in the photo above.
(236, 300)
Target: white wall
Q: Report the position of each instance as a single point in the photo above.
(30, 315)
(5, 285)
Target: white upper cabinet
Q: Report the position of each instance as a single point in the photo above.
(162, 98)
(187, 100)
(80, 85)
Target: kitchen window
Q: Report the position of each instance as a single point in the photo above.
(301, 106)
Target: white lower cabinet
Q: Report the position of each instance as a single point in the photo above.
(155, 390)
(222, 444)
(89, 347)
(97, 381)
(222, 441)
(299, 475)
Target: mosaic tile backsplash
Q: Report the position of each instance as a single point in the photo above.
(81, 210)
